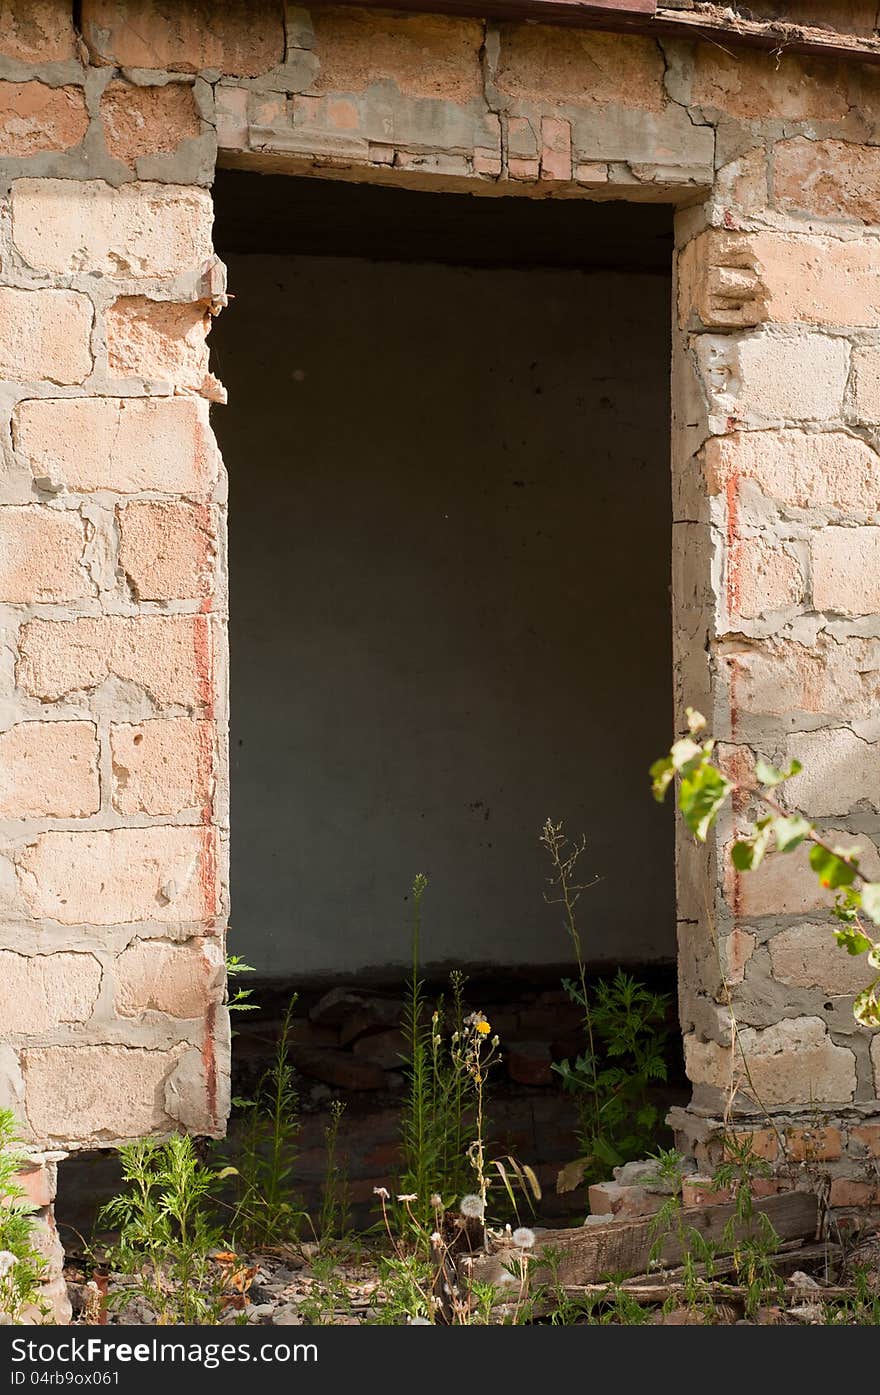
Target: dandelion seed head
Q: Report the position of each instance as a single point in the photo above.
(523, 1238)
(436, 1201)
(472, 1206)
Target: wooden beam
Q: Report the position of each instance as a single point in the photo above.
(587, 1254)
(707, 23)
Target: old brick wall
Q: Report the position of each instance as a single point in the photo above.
(111, 591)
(112, 675)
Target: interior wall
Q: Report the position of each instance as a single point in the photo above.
(449, 544)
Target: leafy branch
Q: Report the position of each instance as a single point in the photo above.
(703, 790)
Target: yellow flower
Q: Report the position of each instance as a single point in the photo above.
(483, 1028)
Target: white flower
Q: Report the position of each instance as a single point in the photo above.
(472, 1206)
(409, 1196)
(436, 1201)
(523, 1238)
(382, 1192)
(418, 1322)
(7, 1263)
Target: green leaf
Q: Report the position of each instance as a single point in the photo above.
(871, 901)
(741, 855)
(852, 940)
(748, 853)
(790, 832)
(866, 1008)
(701, 795)
(662, 773)
(768, 774)
(830, 868)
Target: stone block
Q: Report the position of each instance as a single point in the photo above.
(762, 578)
(147, 120)
(41, 555)
(808, 956)
(45, 336)
(827, 178)
(168, 657)
(37, 31)
(49, 770)
(790, 1063)
(162, 766)
(168, 551)
(841, 773)
(846, 570)
(35, 118)
(159, 340)
(178, 979)
(186, 37)
(120, 444)
(96, 1094)
(138, 230)
(804, 469)
(121, 876)
(764, 377)
(39, 992)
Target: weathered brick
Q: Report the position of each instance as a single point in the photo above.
(45, 335)
(138, 230)
(762, 577)
(865, 383)
(41, 555)
(846, 1191)
(701, 1191)
(121, 444)
(158, 339)
(119, 877)
(178, 979)
(735, 950)
(162, 766)
(37, 31)
(841, 772)
(828, 178)
(432, 56)
(147, 120)
(866, 1137)
(785, 884)
(767, 377)
(764, 1143)
(546, 64)
(846, 570)
(49, 770)
(100, 1092)
(168, 551)
(790, 1062)
(808, 956)
(40, 991)
(779, 676)
(753, 85)
(169, 657)
(730, 279)
(34, 117)
(186, 36)
(39, 1183)
(628, 1203)
(819, 1144)
(807, 469)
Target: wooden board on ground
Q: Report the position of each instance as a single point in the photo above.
(589, 1253)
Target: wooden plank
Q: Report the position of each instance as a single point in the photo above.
(590, 1253)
